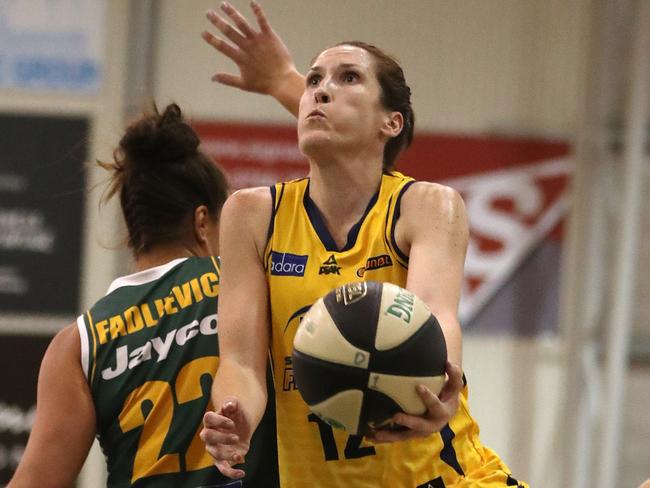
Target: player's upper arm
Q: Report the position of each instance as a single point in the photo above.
(243, 300)
(434, 232)
(64, 425)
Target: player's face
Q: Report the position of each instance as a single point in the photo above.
(340, 107)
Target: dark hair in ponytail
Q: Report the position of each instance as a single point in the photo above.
(161, 177)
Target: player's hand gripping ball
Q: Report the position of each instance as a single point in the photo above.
(360, 351)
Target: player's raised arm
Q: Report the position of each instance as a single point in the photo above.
(64, 426)
(264, 62)
(239, 390)
(434, 232)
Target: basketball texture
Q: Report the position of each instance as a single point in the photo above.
(360, 351)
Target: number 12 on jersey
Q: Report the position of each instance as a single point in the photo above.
(353, 449)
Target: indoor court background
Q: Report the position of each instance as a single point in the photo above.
(564, 401)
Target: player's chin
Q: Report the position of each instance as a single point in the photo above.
(314, 142)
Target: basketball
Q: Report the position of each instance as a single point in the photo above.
(360, 351)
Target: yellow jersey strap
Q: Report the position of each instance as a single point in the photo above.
(393, 214)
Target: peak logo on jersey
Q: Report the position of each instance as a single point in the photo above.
(287, 264)
(330, 266)
(375, 262)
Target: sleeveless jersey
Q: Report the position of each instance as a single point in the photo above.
(149, 351)
(303, 263)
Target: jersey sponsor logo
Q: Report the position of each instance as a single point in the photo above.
(330, 266)
(287, 264)
(159, 346)
(375, 262)
(139, 316)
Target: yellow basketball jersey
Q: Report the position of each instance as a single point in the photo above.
(302, 264)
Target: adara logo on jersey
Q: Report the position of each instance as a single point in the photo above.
(287, 264)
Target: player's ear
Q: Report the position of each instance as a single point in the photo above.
(201, 216)
(393, 124)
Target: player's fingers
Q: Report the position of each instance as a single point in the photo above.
(212, 420)
(238, 19)
(385, 436)
(228, 80)
(454, 383)
(222, 46)
(214, 437)
(427, 425)
(227, 470)
(430, 400)
(226, 29)
(262, 21)
(229, 407)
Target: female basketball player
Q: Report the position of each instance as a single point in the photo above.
(354, 118)
(135, 369)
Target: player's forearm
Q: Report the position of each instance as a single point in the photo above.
(453, 337)
(244, 383)
(289, 91)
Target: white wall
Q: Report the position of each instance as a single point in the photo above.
(478, 66)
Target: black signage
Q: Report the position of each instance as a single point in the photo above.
(20, 359)
(41, 212)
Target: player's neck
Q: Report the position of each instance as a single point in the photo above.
(163, 254)
(341, 194)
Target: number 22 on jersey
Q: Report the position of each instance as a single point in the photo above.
(156, 425)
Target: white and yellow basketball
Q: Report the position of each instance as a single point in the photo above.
(360, 352)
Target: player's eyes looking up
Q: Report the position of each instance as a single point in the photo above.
(313, 79)
(347, 76)
(350, 76)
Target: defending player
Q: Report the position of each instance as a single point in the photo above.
(354, 118)
(136, 369)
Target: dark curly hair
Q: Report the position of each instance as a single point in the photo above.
(161, 177)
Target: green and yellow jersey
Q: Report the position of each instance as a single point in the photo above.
(303, 263)
(149, 350)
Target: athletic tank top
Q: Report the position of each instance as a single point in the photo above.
(149, 352)
(303, 263)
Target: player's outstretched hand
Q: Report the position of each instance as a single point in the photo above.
(227, 434)
(440, 410)
(263, 60)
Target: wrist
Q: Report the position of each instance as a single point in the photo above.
(289, 90)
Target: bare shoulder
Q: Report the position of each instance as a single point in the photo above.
(250, 203)
(246, 216)
(434, 204)
(428, 196)
(65, 348)
(432, 214)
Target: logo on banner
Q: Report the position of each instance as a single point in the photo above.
(510, 212)
(287, 264)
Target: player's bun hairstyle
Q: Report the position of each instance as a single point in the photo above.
(162, 177)
(396, 96)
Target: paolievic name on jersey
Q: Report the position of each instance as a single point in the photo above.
(136, 317)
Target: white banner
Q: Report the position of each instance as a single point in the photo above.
(52, 44)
